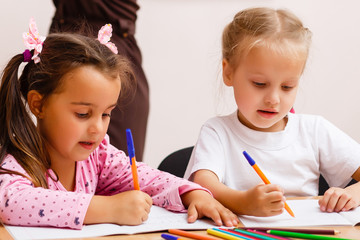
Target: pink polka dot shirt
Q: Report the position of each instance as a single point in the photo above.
(107, 171)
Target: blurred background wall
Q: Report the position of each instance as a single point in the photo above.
(181, 45)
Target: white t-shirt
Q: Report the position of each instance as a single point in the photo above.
(292, 158)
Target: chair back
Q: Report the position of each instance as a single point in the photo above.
(176, 162)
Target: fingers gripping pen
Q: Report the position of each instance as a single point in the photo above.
(264, 178)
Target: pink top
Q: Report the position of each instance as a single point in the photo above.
(107, 171)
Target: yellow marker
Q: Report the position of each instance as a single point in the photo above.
(222, 234)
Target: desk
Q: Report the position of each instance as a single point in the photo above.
(345, 232)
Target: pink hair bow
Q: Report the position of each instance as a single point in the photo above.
(104, 36)
(33, 40)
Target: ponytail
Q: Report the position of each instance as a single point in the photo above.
(18, 134)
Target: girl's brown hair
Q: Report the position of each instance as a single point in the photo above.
(279, 30)
(62, 52)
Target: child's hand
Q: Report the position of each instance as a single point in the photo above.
(126, 208)
(131, 207)
(263, 200)
(339, 199)
(200, 204)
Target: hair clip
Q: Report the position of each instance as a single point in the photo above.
(104, 36)
(27, 55)
(33, 40)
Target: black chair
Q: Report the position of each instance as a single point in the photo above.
(176, 164)
(323, 185)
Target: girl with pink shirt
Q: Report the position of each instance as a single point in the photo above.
(61, 170)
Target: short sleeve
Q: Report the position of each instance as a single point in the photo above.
(339, 154)
(208, 153)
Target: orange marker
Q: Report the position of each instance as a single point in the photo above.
(191, 234)
(131, 151)
(264, 178)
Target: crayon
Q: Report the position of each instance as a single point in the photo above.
(302, 235)
(299, 230)
(191, 235)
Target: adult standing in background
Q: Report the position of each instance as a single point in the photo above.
(121, 14)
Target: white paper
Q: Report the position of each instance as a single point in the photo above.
(159, 220)
(307, 213)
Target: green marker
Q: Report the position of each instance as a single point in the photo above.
(302, 235)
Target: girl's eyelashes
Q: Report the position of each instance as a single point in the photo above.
(108, 112)
(259, 84)
(82, 115)
(287, 88)
(262, 85)
(86, 115)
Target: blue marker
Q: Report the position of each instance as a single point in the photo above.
(170, 237)
(131, 150)
(130, 145)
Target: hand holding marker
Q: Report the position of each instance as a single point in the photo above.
(263, 177)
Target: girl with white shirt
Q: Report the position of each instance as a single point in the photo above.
(264, 55)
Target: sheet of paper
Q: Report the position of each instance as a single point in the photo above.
(159, 219)
(307, 213)
(352, 216)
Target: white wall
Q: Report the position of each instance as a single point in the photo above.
(180, 41)
(182, 55)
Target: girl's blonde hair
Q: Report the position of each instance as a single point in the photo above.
(278, 30)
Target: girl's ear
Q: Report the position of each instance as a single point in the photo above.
(227, 73)
(34, 99)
